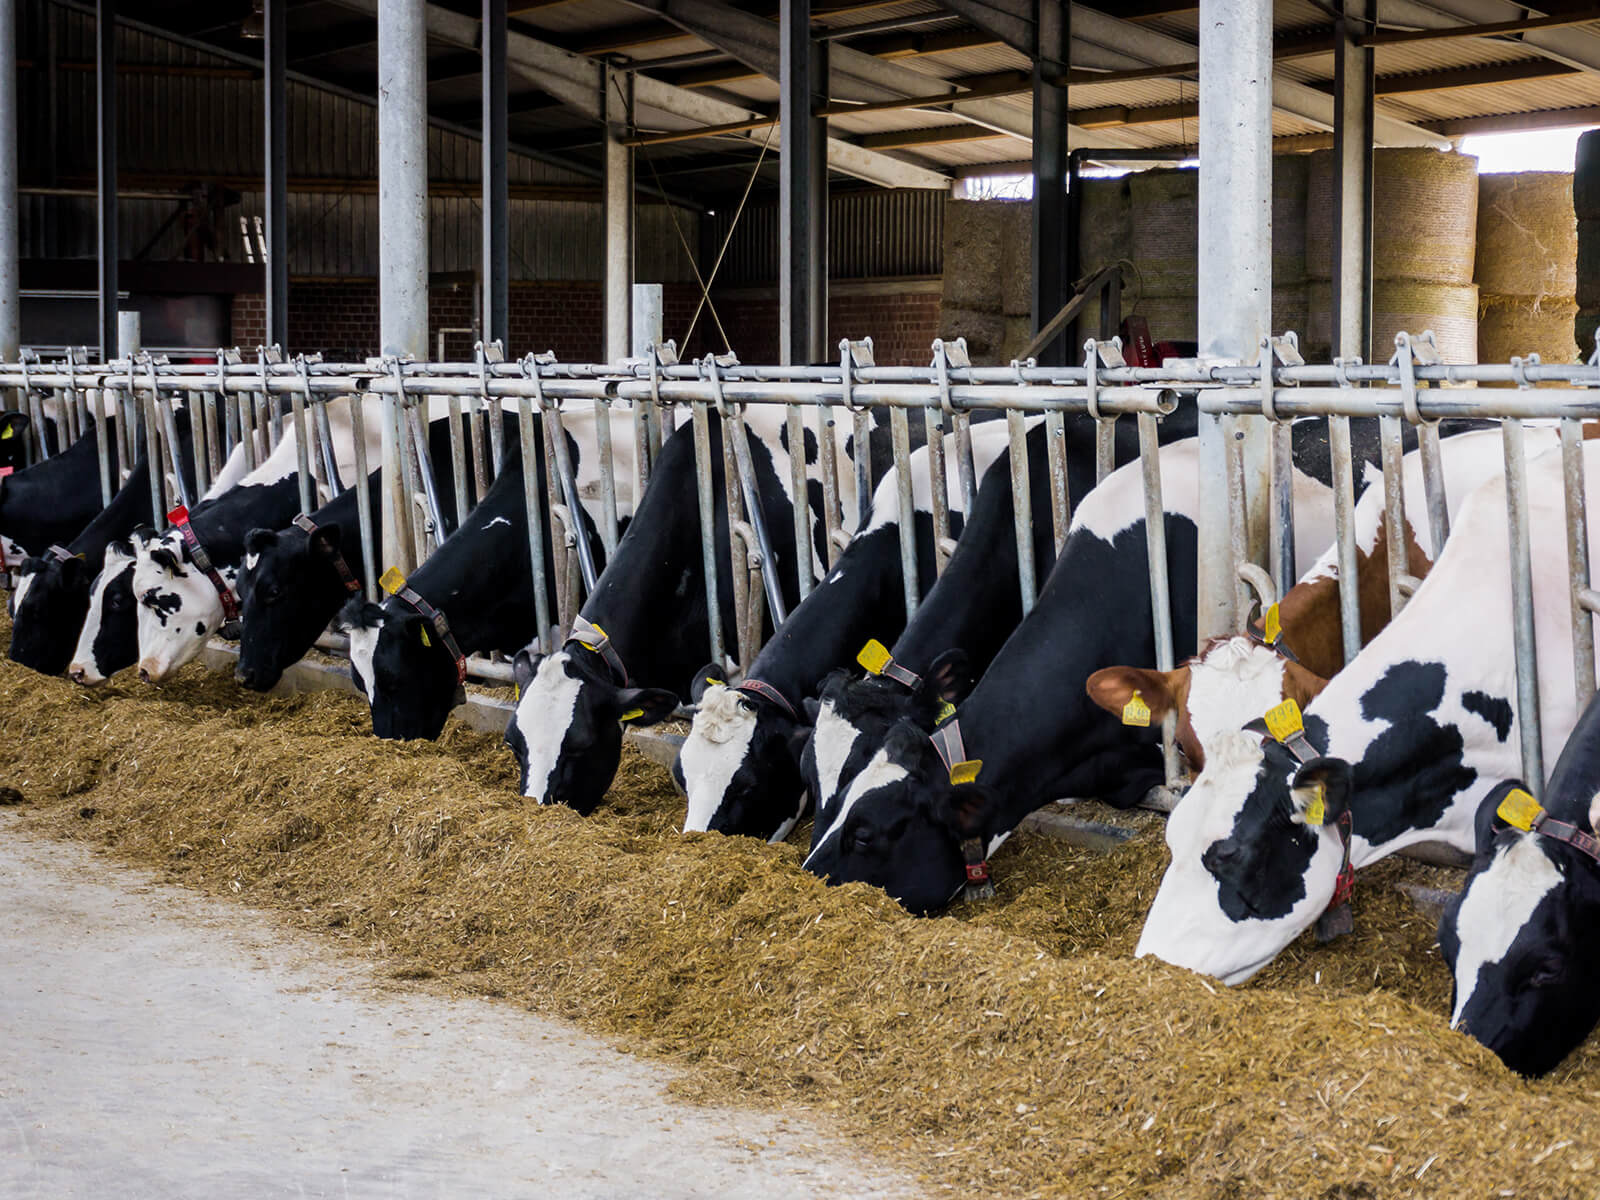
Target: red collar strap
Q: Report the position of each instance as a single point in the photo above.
(1580, 840)
(597, 641)
(178, 518)
(947, 741)
(410, 595)
(758, 687)
(333, 555)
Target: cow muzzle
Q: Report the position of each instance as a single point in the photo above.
(85, 675)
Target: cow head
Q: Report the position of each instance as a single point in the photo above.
(1228, 684)
(567, 728)
(289, 590)
(854, 713)
(14, 441)
(402, 664)
(109, 639)
(49, 600)
(178, 605)
(901, 825)
(740, 764)
(1519, 941)
(1256, 852)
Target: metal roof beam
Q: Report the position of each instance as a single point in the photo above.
(1575, 47)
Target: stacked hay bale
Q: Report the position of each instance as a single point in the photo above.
(1425, 207)
(1586, 206)
(1527, 266)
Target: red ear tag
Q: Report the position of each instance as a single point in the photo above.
(179, 515)
(4, 471)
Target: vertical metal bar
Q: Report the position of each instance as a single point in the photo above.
(1238, 534)
(1433, 486)
(416, 530)
(1522, 623)
(802, 190)
(1055, 434)
(938, 486)
(196, 404)
(531, 501)
(1281, 514)
(10, 245)
(609, 523)
(424, 461)
(861, 441)
(497, 437)
(616, 105)
(738, 557)
(496, 267)
(302, 439)
(1353, 117)
(275, 56)
(555, 436)
(1105, 444)
(1572, 470)
(358, 433)
(1022, 508)
(152, 449)
(458, 457)
(900, 434)
(330, 453)
(106, 185)
(708, 529)
(1155, 541)
(1052, 286)
(128, 346)
(1344, 504)
(796, 428)
(756, 516)
(828, 460)
(104, 431)
(478, 413)
(1394, 509)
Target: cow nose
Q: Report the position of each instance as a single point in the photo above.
(75, 674)
(144, 675)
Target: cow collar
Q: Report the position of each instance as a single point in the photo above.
(597, 641)
(1521, 811)
(760, 687)
(60, 554)
(1284, 725)
(178, 518)
(952, 752)
(320, 541)
(395, 584)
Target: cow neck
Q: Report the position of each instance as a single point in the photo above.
(480, 580)
(1576, 776)
(130, 506)
(53, 501)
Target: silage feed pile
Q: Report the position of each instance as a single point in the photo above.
(1012, 1048)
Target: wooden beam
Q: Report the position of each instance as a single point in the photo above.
(1393, 37)
(1555, 118)
(939, 135)
(1469, 77)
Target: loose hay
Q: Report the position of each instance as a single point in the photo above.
(1012, 1048)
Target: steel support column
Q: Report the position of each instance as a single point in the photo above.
(496, 203)
(1052, 285)
(403, 231)
(1235, 264)
(274, 64)
(802, 190)
(106, 209)
(617, 108)
(10, 276)
(1352, 190)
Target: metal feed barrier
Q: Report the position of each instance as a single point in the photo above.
(238, 402)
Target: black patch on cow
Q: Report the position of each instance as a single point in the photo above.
(812, 448)
(163, 604)
(200, 628)
(1492, 709)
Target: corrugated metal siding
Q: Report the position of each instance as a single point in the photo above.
(870, 235)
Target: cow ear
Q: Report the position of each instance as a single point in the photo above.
(1123, 691)
(13, 425)
(705, 677)
(1487, 822)
(1594, 812)
(811, 707)
(331, 535)
(1301, 685)
(798, 737)
(525, 666)
(968, 809)
(165, 559)
(644, 706)
(1320, 792)
(259, 541)
(359, 613)
(949, 679)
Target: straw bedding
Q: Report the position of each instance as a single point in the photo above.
(1012, 1048)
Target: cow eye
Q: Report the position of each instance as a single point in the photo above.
(116, 602)
(1547, 972)
(268, 594)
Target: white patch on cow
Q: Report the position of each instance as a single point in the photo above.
(712, 754)
(1118, 503)
(1496, 906)
(363, 648)
(544, 715)
(19, 589)
(880, 772)
(831, 743)
(172, 636)
(11, 553)
(498, 521)
(1186, 925)
(250, 560)
(83, 668)
(1233, 684)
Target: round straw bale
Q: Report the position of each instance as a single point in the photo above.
(1426, 215)
(1512, 326)
(1289, 174)
(1412, 305)
(984, 331)
(1165, 234)
(1586, 177)
(1587, 288)
(1527, 235)
(1104, 223)
(1016, 258)
(972, 253)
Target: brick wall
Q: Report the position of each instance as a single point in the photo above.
(340, 318)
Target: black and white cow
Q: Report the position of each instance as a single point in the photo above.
(646, 625)
(965, 619)
(901, 823)
(50, 596)
(49, 503)
(291, 585)
(108, 640)
(14, 427)
(1401, 747)
(1521, 936)
(740, 765)
(480, 579)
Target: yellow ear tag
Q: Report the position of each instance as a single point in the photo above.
(1317, 810)
(517, 690)
(1284, 720)
(716, 682)
(631, 714)
(873, 657)
(392, 580)
(7, 433)
(1136, 712)
(1272, 629)
(946, 711)
(1519, 809)
(426, 640)
(966, 772)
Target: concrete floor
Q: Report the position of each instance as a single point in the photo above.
(162, 1044)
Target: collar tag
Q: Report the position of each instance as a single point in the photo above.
(1136, 712)
(1317, 809)
(1272, 628)
(874, 657)
(966, 772)
(392, 580)
(4, 471)
(1284, 720)
(1519, 810)
(179, 515)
